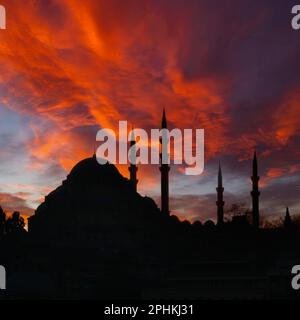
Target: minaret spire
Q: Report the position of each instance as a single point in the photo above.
(287, 219)
(164, 120)
(220, 203)
(220, 179)
(255, 193)
(255, 164)
(164, 169)
(133, 167)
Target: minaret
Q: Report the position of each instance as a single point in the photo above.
(220, 203)
(164, 169)
(287, 219)
(255, 193)
(133, 167)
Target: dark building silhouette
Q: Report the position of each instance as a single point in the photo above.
(164, 169)
(255, 193)
(95, 237)
(220, 203)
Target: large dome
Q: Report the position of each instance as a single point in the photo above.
(89, 169)
(94, 202)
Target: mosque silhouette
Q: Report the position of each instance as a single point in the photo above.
(96, 237)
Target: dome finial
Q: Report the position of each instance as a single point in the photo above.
(94, 153)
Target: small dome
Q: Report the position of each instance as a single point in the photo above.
(209, 224)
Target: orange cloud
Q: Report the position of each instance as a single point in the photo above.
(275, 173)
(287, 117)
(78, 70)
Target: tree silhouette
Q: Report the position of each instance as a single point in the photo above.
(15, 223)
(2, 221)
(238, 209)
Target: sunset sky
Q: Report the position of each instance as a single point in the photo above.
(71, 67)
